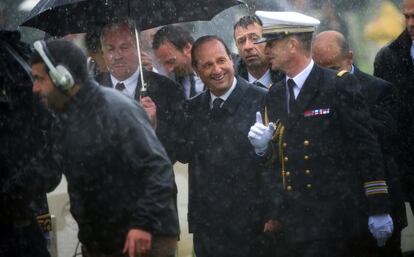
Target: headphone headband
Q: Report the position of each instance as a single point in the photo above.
(59, 74)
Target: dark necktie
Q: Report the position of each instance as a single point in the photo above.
(192, 86)
(292, 102)
(120, 86)
(259, 84)
(217, 103)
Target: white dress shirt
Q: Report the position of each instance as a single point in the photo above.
(265, 80)
(199, 85)
(412, 51)
(130, 84)
(224, 96)
(300, 79)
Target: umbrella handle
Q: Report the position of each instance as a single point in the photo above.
(143, 84)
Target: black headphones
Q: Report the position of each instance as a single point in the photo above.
(59, 74)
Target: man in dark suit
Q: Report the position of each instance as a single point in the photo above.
(227, 194)
(253, 64)
(121, 57)
(172, 46)
(323, 147)
(331, 50)
(394, 63)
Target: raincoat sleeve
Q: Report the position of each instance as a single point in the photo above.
(150, 168)
(40, 173)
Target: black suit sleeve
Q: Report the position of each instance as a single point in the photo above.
(355, 119)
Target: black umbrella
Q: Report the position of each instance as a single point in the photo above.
(62, 17)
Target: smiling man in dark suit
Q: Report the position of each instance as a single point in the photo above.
(323, 147)
(121, 57)
(331, 50)
(227, 193)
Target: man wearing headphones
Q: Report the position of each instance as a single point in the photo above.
(120, 180)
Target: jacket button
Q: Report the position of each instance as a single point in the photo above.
(287, 173)
(306, 142)
(309, 186)
(286, 159)
(289, 188)
(306, 157)
(307, 172)
(284, 144)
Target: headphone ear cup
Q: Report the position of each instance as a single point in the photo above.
(65, 79)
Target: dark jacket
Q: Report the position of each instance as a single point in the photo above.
(119, 176)
(393, 63)
(169, 98)
(226, 187)
(324, 155)
(23, 127)
(381, 99)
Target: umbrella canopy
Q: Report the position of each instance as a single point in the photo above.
(61, 17)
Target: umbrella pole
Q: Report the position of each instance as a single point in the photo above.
(143, 85)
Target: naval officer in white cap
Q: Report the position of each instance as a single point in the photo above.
(316, 132)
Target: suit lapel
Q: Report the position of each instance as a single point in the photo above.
(277, 103)
(235, 97)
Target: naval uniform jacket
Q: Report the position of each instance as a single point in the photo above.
(169, 98)
(325, 154)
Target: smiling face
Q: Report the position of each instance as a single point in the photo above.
(252, 54)
(120, 51)
(214, 66)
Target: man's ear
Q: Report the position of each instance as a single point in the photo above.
(187, 49)
(350, 57)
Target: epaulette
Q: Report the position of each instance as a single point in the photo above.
(341, 73)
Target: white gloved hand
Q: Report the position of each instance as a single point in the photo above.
(260, 135)
(381, 227)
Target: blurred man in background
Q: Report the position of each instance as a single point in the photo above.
(172, 46)
(121, 57)
(253, 65)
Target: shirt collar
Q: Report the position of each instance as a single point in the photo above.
(265, 80)
(225, 95)
(130, 83)
(302, 76)
(352, 69)
(412, 50)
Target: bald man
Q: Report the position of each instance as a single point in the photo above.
(331, 50)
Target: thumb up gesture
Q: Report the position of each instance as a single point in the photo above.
(260, 135)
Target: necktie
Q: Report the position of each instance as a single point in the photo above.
(259, 84)
(217, 103)
(292, 102)
(192, 86)
(120, 86)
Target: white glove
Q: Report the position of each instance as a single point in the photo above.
(260, 135)
(381, 227)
